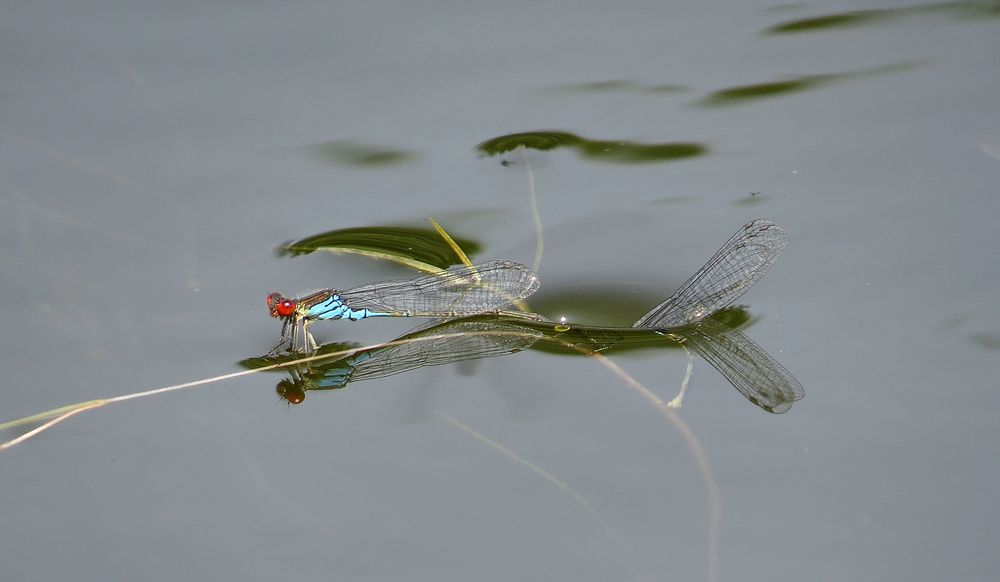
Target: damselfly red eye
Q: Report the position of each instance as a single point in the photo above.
(285, 308)
(280, 306)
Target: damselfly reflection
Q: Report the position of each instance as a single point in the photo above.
(757, 376)
(440, 343)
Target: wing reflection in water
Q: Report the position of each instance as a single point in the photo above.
(441, 343)
(751, 370)
(754, 373)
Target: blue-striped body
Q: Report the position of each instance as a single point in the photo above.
(335, 308)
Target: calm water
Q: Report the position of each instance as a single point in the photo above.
(152, 158)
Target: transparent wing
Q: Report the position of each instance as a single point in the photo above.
(734, 268)
(458, 291)
(758, 376)
(463, 340)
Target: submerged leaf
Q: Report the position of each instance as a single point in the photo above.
(989, 341)
(618, 85)
(610, 85)
(576, 340)
(743, 93)
(625, 152)
(351, 153)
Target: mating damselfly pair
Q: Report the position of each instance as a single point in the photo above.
(491, 287)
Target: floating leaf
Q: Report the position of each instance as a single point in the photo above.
(532, 140)
(962, 9)
(741, 94)
(611, 151)
(420, 248)
(830, 21)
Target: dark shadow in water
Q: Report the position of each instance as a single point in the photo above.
(418, 244)
(851, 19)
(610, 151)
(743, 94)
(351, 153)
(988, 341)
(584, 300)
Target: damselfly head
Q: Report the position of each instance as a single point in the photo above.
(290, 392)
(280, 306)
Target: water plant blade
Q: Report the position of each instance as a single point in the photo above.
(420, 248)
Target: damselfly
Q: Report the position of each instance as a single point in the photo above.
(455, 292)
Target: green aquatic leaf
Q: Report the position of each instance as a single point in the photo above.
(742, 94)
(572, 339)
(351, 153)
(611, 151)
(532, 140)
(830, 21)
(962, 9)
(421, 248)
